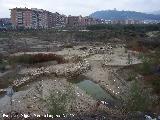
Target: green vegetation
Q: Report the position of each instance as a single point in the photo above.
(59, 102)
(3, 64)
(150, 62)
(136, 28)
(150, 69)
(146, 67)
(156, 85)
(36, 58)
(69, 36)
(138, 99)
(131, 77)
(67, 46)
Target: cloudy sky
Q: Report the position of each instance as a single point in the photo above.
(80, 7)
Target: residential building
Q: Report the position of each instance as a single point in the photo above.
(63, 20)
(82, 21)
(21, 17)
(41, 19)
(74, 20)
(5, 23)
(59, 20)
(31, 18)
(126, 22)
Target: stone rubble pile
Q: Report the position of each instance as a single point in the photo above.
(80, 68)
(60, 71)
(101, 50)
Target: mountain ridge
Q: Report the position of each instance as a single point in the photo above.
(123, 15)
(155, 12)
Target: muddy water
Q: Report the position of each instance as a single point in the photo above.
(94, 90)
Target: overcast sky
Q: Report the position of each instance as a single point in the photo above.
(80, 7)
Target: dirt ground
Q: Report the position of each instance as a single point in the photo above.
(113, 58)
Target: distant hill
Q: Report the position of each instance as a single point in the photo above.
(121, 15)
(155, 12)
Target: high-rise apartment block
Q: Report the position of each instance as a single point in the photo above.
(59, 20)
(38, 18)
(82, 21)
(35, 18)
(21, 17)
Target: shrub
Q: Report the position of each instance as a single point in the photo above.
(156, 85)
(47, 57)
(21, 59)
(59, 102)
(2, 65)
(36, 58)
(83, 48)
(68, 46)
(131, 77)
(146, 67)
(138, 99)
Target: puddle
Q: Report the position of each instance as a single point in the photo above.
(94, 90)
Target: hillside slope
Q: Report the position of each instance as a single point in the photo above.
(121, 15)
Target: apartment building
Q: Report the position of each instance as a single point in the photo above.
(21, 17)
(63, 20)
(31, 18)
(126, 22)
(36, 18)
(74, 20)
(59, 20)
(41, 19)
(5, 23)
(84, 21)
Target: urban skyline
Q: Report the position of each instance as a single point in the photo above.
(38, 18)
(79, 7)
(42, 19)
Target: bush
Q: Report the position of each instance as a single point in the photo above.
(83, 48)
(59, 102)
(138, 99)
(47, 57)
(2, 65)
(156, 85)
(146, 67)
(131, 77)
(68, 46)
(36, 58)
